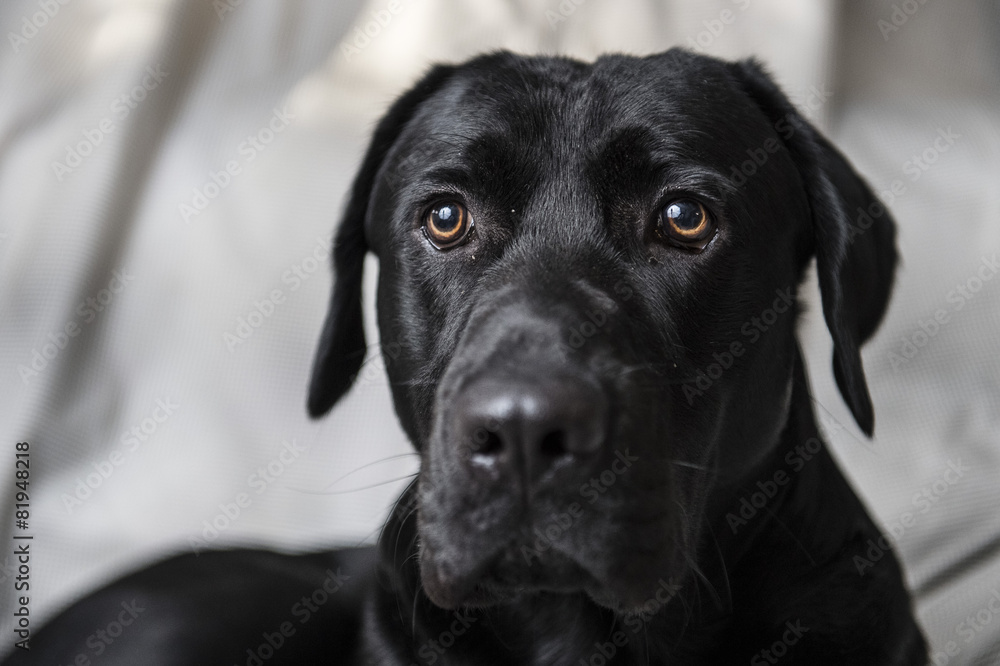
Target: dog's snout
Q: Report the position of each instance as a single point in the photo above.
(524, 428)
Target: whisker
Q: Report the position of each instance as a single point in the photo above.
(722, 561)
(355, 490)
(377, 532)
(684, 463)
(371, 464)
(413, 611)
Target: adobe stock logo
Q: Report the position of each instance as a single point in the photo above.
(248, 150)
(901, 13)
(715, 27)
(758, 497)
(120, 108)
(131, 440)
(263, 309)
(604, 652)
(223, 7)
(923, 501)
(304, 610)
(562, 522)
(433, 649)
(37, 21)
(363, 35)
(86, 312)
(926, 329)
(566, 9)
(753, 330)
(779, 648)
(261, 480)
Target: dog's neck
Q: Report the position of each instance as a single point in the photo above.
(698, 613)
(741, 509)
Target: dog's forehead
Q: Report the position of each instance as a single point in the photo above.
(554, 109)
(533, 135)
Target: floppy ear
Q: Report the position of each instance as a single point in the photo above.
(854, 238)
(342, 345)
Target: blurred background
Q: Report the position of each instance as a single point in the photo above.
(170, 174)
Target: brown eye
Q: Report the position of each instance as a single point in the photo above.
(686, 221)
(447, 225)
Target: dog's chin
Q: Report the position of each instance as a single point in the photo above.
(499, 578)
(509, 577)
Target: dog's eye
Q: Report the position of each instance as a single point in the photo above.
(687, 222)
(447, 225)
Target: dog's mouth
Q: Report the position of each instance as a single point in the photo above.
(532, 563)
(507, 578)
(515, 571)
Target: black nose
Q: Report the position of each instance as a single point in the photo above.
(535, 430)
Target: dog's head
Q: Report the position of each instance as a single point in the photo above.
(588, 279)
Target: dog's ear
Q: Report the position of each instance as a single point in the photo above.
(853, 238)
(342, 345)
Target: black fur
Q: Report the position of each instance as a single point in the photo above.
(619, 458)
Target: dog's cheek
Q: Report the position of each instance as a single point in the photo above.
(409, 360)
(757, 404)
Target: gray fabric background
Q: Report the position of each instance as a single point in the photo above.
(230, 70)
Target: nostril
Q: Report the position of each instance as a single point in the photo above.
(486, 443)
(538, 432)
(493, 444)
(553, 444)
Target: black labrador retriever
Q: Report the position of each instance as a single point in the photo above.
(587, 304)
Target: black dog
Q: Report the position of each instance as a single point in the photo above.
(588, 282)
